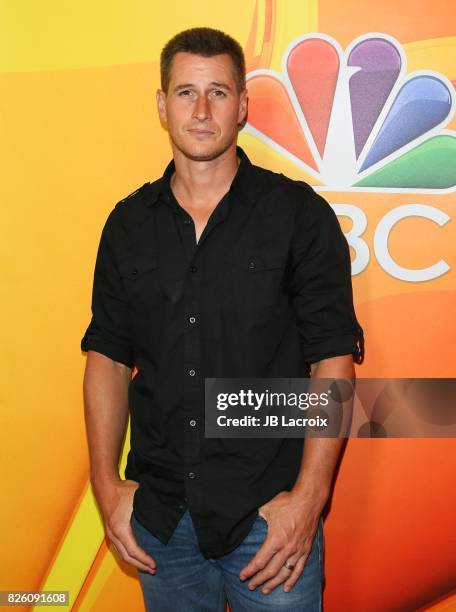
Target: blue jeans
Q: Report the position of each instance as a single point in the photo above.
(186, 581)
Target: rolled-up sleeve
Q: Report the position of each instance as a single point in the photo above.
(109, 329)
(321, 289)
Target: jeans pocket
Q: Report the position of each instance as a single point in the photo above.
(261, 519)
(137, 528)
(133, 523)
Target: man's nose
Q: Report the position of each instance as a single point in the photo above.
(202, 108)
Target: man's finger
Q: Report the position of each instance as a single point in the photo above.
(273, 583)
(131, 551)
(285, 575)
(294, 575)
(270, 570)
(122, 552)
(262, 557)
(135, 551)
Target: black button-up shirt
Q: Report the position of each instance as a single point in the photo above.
(265, 292)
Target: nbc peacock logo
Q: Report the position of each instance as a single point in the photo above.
(354, 120)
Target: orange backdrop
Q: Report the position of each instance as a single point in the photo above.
(79, 132)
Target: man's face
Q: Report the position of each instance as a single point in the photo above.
(202, 108)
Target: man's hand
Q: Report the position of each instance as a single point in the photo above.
(115, 500)
(292, 523)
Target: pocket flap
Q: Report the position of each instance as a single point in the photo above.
(258, 261)
(134, 267)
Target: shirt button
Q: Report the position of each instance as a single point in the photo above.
(193, 269)
(192, 319)
(192, 372)
(193, 422)
(191, 474)
(187, 220)
(251, 265)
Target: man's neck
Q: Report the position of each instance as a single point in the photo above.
(203, 183)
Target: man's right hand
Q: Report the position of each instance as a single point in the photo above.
(115, 500)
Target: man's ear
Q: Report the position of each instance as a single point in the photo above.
(243, 104)
(243, 107)
(161, 105)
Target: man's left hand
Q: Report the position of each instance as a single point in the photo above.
(292, 523)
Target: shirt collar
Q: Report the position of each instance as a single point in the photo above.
(241, 186)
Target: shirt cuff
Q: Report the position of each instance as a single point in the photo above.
(115, 351)
(352, 343)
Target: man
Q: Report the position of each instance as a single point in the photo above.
(218, 269)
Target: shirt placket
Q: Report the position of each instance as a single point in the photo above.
(192, 362)
(192, 388)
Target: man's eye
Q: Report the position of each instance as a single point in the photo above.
(185, 92)
(219, 93)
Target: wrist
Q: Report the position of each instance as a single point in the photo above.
(310, 491)
(100, 481)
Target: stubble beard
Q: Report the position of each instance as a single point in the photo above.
(203, 157)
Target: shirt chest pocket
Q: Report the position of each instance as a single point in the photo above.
(140, 279)
(255, 281)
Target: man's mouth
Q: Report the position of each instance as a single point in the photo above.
(198, 131)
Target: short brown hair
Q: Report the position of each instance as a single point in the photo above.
(206, 42)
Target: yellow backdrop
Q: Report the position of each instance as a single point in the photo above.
(79, 132)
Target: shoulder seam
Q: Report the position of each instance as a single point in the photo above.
(299, 183)
(131, 195)
(279, 175)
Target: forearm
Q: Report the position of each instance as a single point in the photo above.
(293, 516)
(320, 455)
(106, 415)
